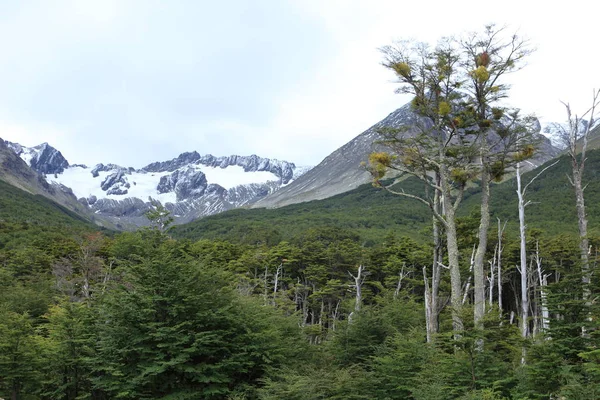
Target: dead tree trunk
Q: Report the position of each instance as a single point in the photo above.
(492, 278)
(543, 280)
(499, 269)
(478, 274)
(468, 284)
(575, 136)
(278, 271)
(359, 279)
(523, 257)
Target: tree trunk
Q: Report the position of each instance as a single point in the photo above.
(500, 232)
(432, 292)
(523, 257)
(583, 237)
(543, 279)
(478, 270)
(436, 269)
(453, 258)
(428, 310)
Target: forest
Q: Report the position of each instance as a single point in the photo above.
(430, 287)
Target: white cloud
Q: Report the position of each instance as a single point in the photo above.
(134, 81)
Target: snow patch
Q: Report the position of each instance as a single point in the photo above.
(142, 184)
(234, 175)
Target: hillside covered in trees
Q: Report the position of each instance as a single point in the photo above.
(141, 315)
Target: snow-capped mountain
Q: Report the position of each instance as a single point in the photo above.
(43, 158)
(190, 186)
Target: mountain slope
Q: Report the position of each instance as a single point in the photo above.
(14, 171)
(17, 205)
(341, 170)
(373, 213)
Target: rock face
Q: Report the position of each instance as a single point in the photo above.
(15, 171)
(43, 158)
(282, 169)
(341, 171)
(187, 183)
(190, 186)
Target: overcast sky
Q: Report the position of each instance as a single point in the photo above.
(131, 82)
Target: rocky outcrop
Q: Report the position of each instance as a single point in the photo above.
(187, 183)
(42, 158)
(282, 169)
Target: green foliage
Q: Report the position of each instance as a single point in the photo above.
(68, 344)
(172, 328)
(19, 354)
(367, 211)
(356, 342)
(320, 383)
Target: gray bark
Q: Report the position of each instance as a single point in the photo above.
(453, 254)
(577, 136)
(543, 279)
(500, 249)
(478, 273)
(523, 257)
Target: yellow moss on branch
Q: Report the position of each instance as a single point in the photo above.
(525, 153)
(481, 74)
(379, 163)
(402, 69)
(444, 109)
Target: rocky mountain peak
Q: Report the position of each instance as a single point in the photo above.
(190, 186)
(43, 158)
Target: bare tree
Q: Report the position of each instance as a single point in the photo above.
(359, 279)
(521, 193)
(499, 264)
(543, 281)
(78, 274)
(575, 135)
(459, 133)
(428, 148)
(489, 58)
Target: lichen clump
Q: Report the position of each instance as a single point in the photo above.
(379, 163)
(444, 109)
(402, 69)
(525, 153)
(497, 113)
(460, 175)
(481, 74)
(497, 170)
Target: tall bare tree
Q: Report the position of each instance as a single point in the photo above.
(489, 57)
(574, 135)
(430, 148)
(459, 133)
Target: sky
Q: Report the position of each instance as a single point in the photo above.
(136, 81)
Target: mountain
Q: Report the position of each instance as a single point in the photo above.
(15, 171)
(192, 185)
(374, 213)
(189, 186)
(341, 171)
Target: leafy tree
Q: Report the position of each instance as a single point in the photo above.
(173, 329)
(67, 347)
(19, 355)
